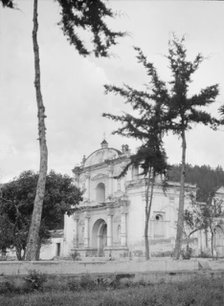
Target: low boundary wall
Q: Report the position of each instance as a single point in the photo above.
(80, 267)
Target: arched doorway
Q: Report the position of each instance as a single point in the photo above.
(219, 240)
(99, 236)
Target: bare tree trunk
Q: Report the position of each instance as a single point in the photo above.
(38, 249)
(147, 253)
(212, 243)
(180, 221)
(191, 233)
(206, 238)
(33, 237)
(148, 205)
(19, 253)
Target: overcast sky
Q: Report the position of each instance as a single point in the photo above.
(72, 86)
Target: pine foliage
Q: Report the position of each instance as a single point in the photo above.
(8, 3)
(149, 123)
(185, 110)
(88, 15)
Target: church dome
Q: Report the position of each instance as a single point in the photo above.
(99, 156)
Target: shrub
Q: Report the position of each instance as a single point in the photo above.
(163, 254)
(75, 255)
(205, 254)
(187, 253)
(74, 285)
(7, 287)
(34, 280)
(125, 283)
(86, 282)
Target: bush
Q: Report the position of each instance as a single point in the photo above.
(75, 256)
(205, 255)
(34, 281)
(86, 282)
(163, 254)
(7, 287)
(74, 285)
(187, 253)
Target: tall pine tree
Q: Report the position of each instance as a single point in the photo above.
(178, 111)
(89, 16)
(185, 111)
(148, 126)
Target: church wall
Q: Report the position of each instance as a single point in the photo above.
(135, 220)
(116, 229)
(69, 232)
(161, 233)
(49, 250)
(123, 209)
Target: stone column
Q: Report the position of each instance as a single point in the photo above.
(86, 231)
(124, 226)
(110, 185)
(76, 229)
(88, 186)
(109, 229)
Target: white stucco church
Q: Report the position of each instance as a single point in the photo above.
(110, 220)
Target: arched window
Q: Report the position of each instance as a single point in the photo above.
(100, 192)
(158, 217)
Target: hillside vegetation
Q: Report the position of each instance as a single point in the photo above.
(207, 179)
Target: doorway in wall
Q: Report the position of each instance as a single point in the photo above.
(58, 249)
(99, 236)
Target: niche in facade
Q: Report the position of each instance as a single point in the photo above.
(100, 192)
(135, 172)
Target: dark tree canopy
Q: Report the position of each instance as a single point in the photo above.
(7, 3)
(207, 179)
(6, 233)
(16, 205)
(88, 15)
(149, 123)
(185, 110)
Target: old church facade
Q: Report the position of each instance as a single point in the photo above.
(111, 218)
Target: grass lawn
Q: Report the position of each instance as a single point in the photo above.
(202, 292)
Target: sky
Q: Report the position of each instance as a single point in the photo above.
(72, 86)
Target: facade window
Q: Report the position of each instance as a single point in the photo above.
(100, 192)
(158, 217)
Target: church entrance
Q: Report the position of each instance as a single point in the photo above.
(219, 241)
(99, 236)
